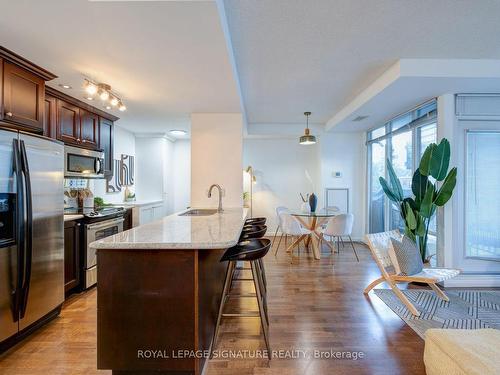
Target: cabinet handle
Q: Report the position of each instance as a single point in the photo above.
(8, 114)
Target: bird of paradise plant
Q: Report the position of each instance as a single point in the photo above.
(417, 211)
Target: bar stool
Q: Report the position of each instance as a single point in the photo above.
(249, 250)
(253, 232)
(255, 221)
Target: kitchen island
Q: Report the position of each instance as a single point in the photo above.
(159, 289)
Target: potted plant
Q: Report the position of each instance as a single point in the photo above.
(428, 194)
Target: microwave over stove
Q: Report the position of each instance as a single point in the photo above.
(82, 163)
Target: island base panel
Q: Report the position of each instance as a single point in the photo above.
(150, 300)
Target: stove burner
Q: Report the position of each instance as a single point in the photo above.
(97, 214)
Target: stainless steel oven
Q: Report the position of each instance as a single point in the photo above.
(94, 232)
(82, 163)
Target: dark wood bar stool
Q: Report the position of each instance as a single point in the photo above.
(254, 232)
(255, 221)
(252, 250)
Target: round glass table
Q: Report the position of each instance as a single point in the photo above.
(313, 221)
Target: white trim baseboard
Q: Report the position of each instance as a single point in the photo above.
(473, 281)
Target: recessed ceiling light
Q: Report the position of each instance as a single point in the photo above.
(108, 107)
(90, 98)
(178, 132)
(64, 86)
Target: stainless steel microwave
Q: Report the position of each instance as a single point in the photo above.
(82, 163)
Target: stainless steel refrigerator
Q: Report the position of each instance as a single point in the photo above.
(31, 232)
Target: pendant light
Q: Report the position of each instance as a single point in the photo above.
(307, 139)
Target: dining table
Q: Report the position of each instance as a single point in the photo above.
(313, 222)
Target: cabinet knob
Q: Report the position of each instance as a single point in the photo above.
(8, 114)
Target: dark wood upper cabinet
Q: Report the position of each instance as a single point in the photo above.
(89, 129)
(22, 92)
(1, 89)
(68, 123)
(50, 117)
(79, 124)
(23, 101)
(106, 144)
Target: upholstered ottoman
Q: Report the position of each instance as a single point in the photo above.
(462, 352)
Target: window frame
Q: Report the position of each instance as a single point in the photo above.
(415, 125)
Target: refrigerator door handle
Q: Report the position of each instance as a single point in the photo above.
(29, 230)
(20, 232)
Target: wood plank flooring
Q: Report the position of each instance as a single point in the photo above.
(313, 305)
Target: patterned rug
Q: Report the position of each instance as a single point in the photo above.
(467, 309)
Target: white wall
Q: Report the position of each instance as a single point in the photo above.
(279, 167)
(124, 143)
(216, 157)
(181, 176)
(346, 153)
(153, 160)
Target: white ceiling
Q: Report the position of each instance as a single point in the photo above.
(414, 81)
(318, 55)
(166, 59)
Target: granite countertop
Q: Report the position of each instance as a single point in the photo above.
(217, 231)
(136, 203)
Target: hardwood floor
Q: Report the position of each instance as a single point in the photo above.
(313, 305)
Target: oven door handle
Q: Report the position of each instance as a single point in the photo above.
(104, 224)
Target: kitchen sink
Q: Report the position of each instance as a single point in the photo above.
(200, 212)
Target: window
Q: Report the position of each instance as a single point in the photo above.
(482, 199)
(377, 167)
(402, 162)
(402, 140)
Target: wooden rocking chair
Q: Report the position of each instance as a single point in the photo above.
(379, 244)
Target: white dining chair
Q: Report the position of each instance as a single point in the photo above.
(279, 210)
(290, 226)
(340, 226)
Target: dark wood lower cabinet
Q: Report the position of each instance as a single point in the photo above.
(127, 224)
(156, 300)
(72, 236)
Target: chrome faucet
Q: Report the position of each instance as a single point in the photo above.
(219, 209)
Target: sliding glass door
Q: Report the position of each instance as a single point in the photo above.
(482, 221)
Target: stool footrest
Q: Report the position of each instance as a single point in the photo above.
(242, 315)
(242, 295)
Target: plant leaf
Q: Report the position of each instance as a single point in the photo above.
(440, 160)
(425, 162)
(446, 190)
(411, 202)
(394, 180)
(411, 221)
(420, 226)
(387, 190)
(427, 202)
(419, 185)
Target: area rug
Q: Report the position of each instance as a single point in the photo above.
(467, 309)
